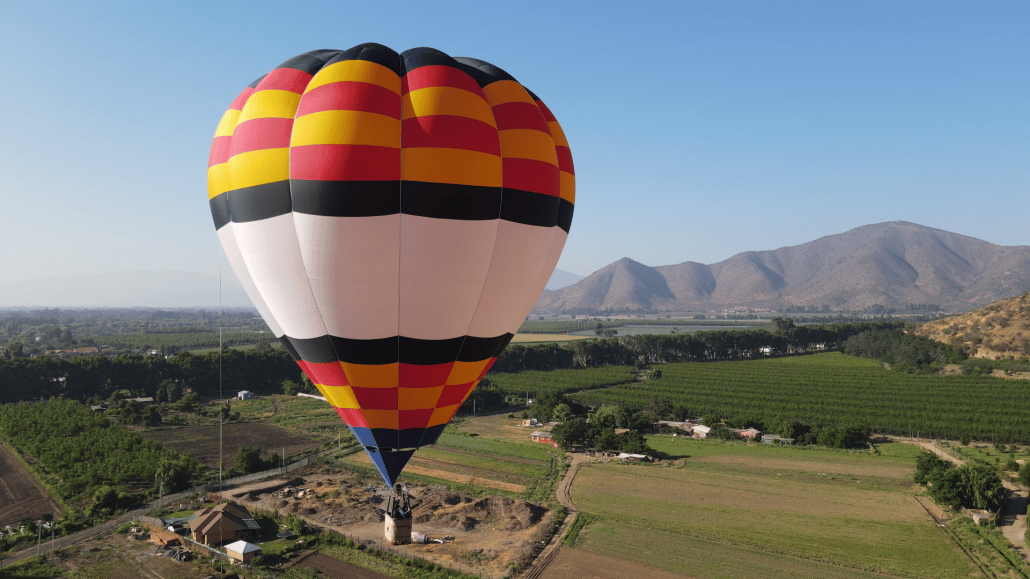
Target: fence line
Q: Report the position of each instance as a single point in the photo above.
(235, 481)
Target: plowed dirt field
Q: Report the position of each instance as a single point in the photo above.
(20, 495)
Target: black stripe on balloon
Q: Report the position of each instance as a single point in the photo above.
(288, 346)
(414, 58)
(450, 201)
(483, 72)
(327, 349)
(259, 201)
(345, 198)
(565, 215)
(372, 52)
(220, 210)
(310, 62)
(530, 208)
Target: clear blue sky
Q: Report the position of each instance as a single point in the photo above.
(699, 129)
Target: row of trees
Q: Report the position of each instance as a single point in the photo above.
(698, 347)
(98, 378)
(904, 351)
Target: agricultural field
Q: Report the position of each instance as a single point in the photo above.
(489, 452)
(21, 496)
(202, 442)
(539, 382)
(831, 388)
(732, 510)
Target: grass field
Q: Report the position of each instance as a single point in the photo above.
(732, 510)
(490, 452)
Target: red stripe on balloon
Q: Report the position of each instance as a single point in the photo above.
(352, 416)
(345, 163)
(548, 116)
(454, 394)
(351, 96)
(427, 376)
(289, 79)
(263, 133)
(518, 115)
(439, 75)
(237, 105)
(565, 159)
(376, 398)
(219, 151)
(531, 175)
(327, 374)
(414, 418)
(450, 132)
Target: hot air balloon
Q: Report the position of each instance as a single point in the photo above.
(393, 217)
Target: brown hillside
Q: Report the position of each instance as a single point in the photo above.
(891, 264)
(997, 331)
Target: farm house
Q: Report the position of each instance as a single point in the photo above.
(226, 522)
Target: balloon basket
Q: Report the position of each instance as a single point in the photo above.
(397, 531)
(397, 517)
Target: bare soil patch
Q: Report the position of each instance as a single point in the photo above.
(483, 534)
(115, 556)
(578, 564)
(334, 568)
(201, 442)
(21, 495)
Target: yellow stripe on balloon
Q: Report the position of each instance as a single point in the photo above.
(446, 100)
(557, 134)
(266, 104)
(465, 372)
(568, 187)
(357, 71)
(382, 418)
(339, 396)
(443, 415)
(259, 167)
(372, 375)
(457, 166)
(507, 91)
(527, 144)
(217, 180)
(346, 128)
(418, 398)
(228, 123)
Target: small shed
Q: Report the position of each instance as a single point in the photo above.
(244, 395)
(701, 431)
(242, 551)
(541, 436)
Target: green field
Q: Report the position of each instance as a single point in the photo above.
(832, 388)
(732, 510)
(538, 382)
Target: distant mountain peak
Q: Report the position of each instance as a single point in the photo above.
(892, 263)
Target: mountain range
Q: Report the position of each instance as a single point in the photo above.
(891, 264)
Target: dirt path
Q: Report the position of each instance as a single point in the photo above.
(67, 540)
(1013, 523)
(564, 492)
(276, 406)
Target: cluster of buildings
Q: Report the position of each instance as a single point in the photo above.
(695, 429)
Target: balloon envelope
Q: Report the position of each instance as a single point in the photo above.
(394, 217)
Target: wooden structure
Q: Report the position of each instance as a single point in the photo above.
(242, 551)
